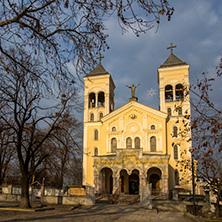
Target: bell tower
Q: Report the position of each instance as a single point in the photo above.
(99, 94)
(173, 80)
(98, 102)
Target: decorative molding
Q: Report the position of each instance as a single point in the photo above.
(95, 123)
(137, 105)
(133, 116)
(173, 68)
(133, 128)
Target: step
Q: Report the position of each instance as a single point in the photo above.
(128, 199)
(122, 199)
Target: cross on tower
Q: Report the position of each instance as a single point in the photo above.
(100, 58)
(171, 47)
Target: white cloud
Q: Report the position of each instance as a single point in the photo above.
(196, 30)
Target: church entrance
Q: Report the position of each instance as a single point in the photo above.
(154, 177)
(107, 180)
(134, 182)
(129, 184)
(155, 181)
(124, 181)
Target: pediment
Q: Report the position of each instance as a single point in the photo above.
(132, 109)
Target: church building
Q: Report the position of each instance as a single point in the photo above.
(128, 148)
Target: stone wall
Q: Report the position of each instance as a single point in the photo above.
(78, 195)
(10, 197)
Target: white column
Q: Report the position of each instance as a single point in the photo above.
(96, 105)
(107, 103)
(86, 108)
(174, 93)
(162, 99)
(85, 155)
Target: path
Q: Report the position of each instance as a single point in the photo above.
(98, 213)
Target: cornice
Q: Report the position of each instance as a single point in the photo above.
(136, 104)
(173, 68)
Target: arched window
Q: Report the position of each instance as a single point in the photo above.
(175, 131)
(175, 152)
(101, 99)
(92, 100)
(100, 116)
(152, 127)
(113, 129)
(137, 142)
(153, 144)
(169, 112)
(96, 152)
(179, 92)
(168, 93)
(177, 177)
(113, 145)
(180, 111)
(128, 142)
(91, 117)
(96, 135)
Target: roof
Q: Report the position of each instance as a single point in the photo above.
(172, 60)
(98, 70)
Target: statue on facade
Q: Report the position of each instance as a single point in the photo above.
(133, 89)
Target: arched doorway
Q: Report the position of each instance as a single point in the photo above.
(134, 182)
(154, 178)
(124, 181)
(129, 184)
(107, 180)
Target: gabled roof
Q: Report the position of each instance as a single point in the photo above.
(135, 104)
(172, 60)
(98, 70)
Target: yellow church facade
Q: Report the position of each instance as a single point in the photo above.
(126, 149)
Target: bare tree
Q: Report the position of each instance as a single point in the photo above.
(64, 163)
(69, 30)
(46, 35)
(206, 128)
(7, 152)
(207, 133)
(66, 159)
(31, 111)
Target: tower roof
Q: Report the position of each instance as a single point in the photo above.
(173, 60)
(98, 70)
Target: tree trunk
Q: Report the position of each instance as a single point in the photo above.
(25, 203)
(218, 202)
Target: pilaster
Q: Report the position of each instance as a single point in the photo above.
(165, 185)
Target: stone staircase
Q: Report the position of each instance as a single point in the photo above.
(127, 199)
(121, 199)
(103, 199)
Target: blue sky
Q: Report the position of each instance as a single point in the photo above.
(196, 30)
